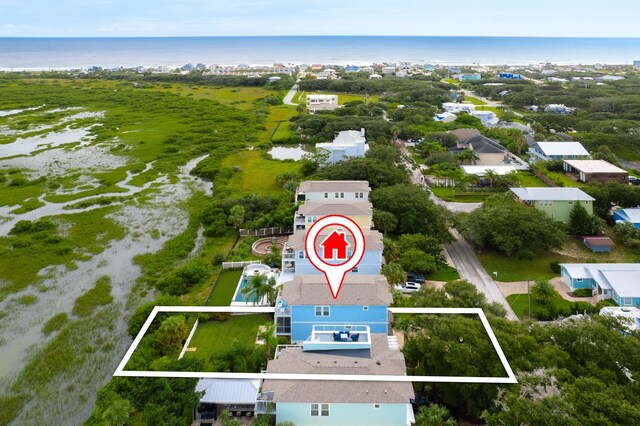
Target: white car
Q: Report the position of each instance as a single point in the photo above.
(407, 287)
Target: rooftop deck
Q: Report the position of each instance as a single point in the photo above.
(338, 337)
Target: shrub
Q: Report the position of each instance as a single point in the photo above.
(542, 314)
(55, 323)
(219, 316)
(218, 258)
(554, 266)
(184, 278)
(583, 292)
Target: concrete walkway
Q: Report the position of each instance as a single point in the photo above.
(289, 96)
(470, 269)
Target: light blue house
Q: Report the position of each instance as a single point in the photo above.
(617, 281)
(631, 216)
(295, 261)
(510, 76)
(306, 301)
(340, 403)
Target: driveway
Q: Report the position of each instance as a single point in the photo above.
(289, 96)
(466, 262)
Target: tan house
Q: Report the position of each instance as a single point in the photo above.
(595, 170)
(490, 152)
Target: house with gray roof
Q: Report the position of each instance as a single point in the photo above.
(555, 202)
(490, 152)
(311, 402)
(333, 190)
(617, 281)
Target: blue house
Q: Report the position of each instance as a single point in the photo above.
(294, 260)
(617, 281)
(510, 76)
(631, 216)
(598, 244)
(352, 68)
(306, 301)
(340, 403)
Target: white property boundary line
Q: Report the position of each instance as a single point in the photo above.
(120, 371)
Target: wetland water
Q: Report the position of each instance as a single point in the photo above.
(148, 225)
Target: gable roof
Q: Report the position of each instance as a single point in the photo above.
(629, 215)
(334, 186)
(623, 278)
(345, 208)
(562, 148)
(551, 194)
(479, 143)
(379, 360)
(356, 290)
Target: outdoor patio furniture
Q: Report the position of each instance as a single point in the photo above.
(355, 337)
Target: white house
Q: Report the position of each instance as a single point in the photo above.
(321, 102)
(481, 171)
(326, 190)
(559, 151)
(348, 143)
(455, 107)
(488, 118)
(368, 70)
(388, 70)
(445, 117)
(374, 76)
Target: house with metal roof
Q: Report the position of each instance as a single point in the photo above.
(305, 302)
(555, 202)
(347, 144)
(617, 281)
(595, 170)
(331, 190)
(233, 395)
(629, 316)
(547, 151)
(631, 216)
(341, 403)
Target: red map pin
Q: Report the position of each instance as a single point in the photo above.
(334, 248)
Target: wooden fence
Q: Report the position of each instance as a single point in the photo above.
(266, 232)
(544, 178)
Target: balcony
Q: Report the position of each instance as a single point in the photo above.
(336, 337)
(264, 403)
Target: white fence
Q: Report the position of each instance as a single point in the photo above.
(237, 265)
(266, 232)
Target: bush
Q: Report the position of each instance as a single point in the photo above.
(554, 266)
(542, 314)
(184, 278)
(218, 258)
(583, 292)
(219, 316)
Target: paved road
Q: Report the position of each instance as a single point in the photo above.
(470, 269)
(631, 165)
(287, 99)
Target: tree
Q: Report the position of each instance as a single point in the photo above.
(434, 415)
(582, 223)
(236, 216)
(468, 155)
(118, 413)
(413, 209)
(604, 153)
(544, 292)
(503, 225)
(257, 288)
(172, 332)
(300, 109)
(384, 221)
(394, 273)
(490, 175)
(418, 261)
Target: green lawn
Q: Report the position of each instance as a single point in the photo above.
(237, 97)
(451, 194)
(444, 273)
(343, 98)
(496, 110)
(566, 181)
(257, 175)
(514, 269)
(225, 288)
(452, 81)
(527, 179)
(278, 115)
(519, 304)
(215, 336)
(282, 132)
(473, 100)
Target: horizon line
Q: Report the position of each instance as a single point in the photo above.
(320, 35)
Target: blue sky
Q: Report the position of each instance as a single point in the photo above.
(103, 18)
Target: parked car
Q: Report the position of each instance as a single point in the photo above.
(407, 287)
(416, 278)
(634, 180)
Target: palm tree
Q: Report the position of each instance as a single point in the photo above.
(468, 155)
(257, 287)
(434, 415)
(490, 175)
(544, 292)
(118, 413)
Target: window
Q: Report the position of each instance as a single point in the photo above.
(321, 410)
(570, 202)
(336, 195)
(359, 195)
(376, 406)
(301, 255)
(365, 308)
(355, 270)
(322, 311)
(342, 195)
(326, 195)
(627, 301)
(578, 280)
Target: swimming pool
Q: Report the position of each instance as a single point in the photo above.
(239, 297)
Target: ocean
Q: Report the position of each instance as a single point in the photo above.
(66, 53)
